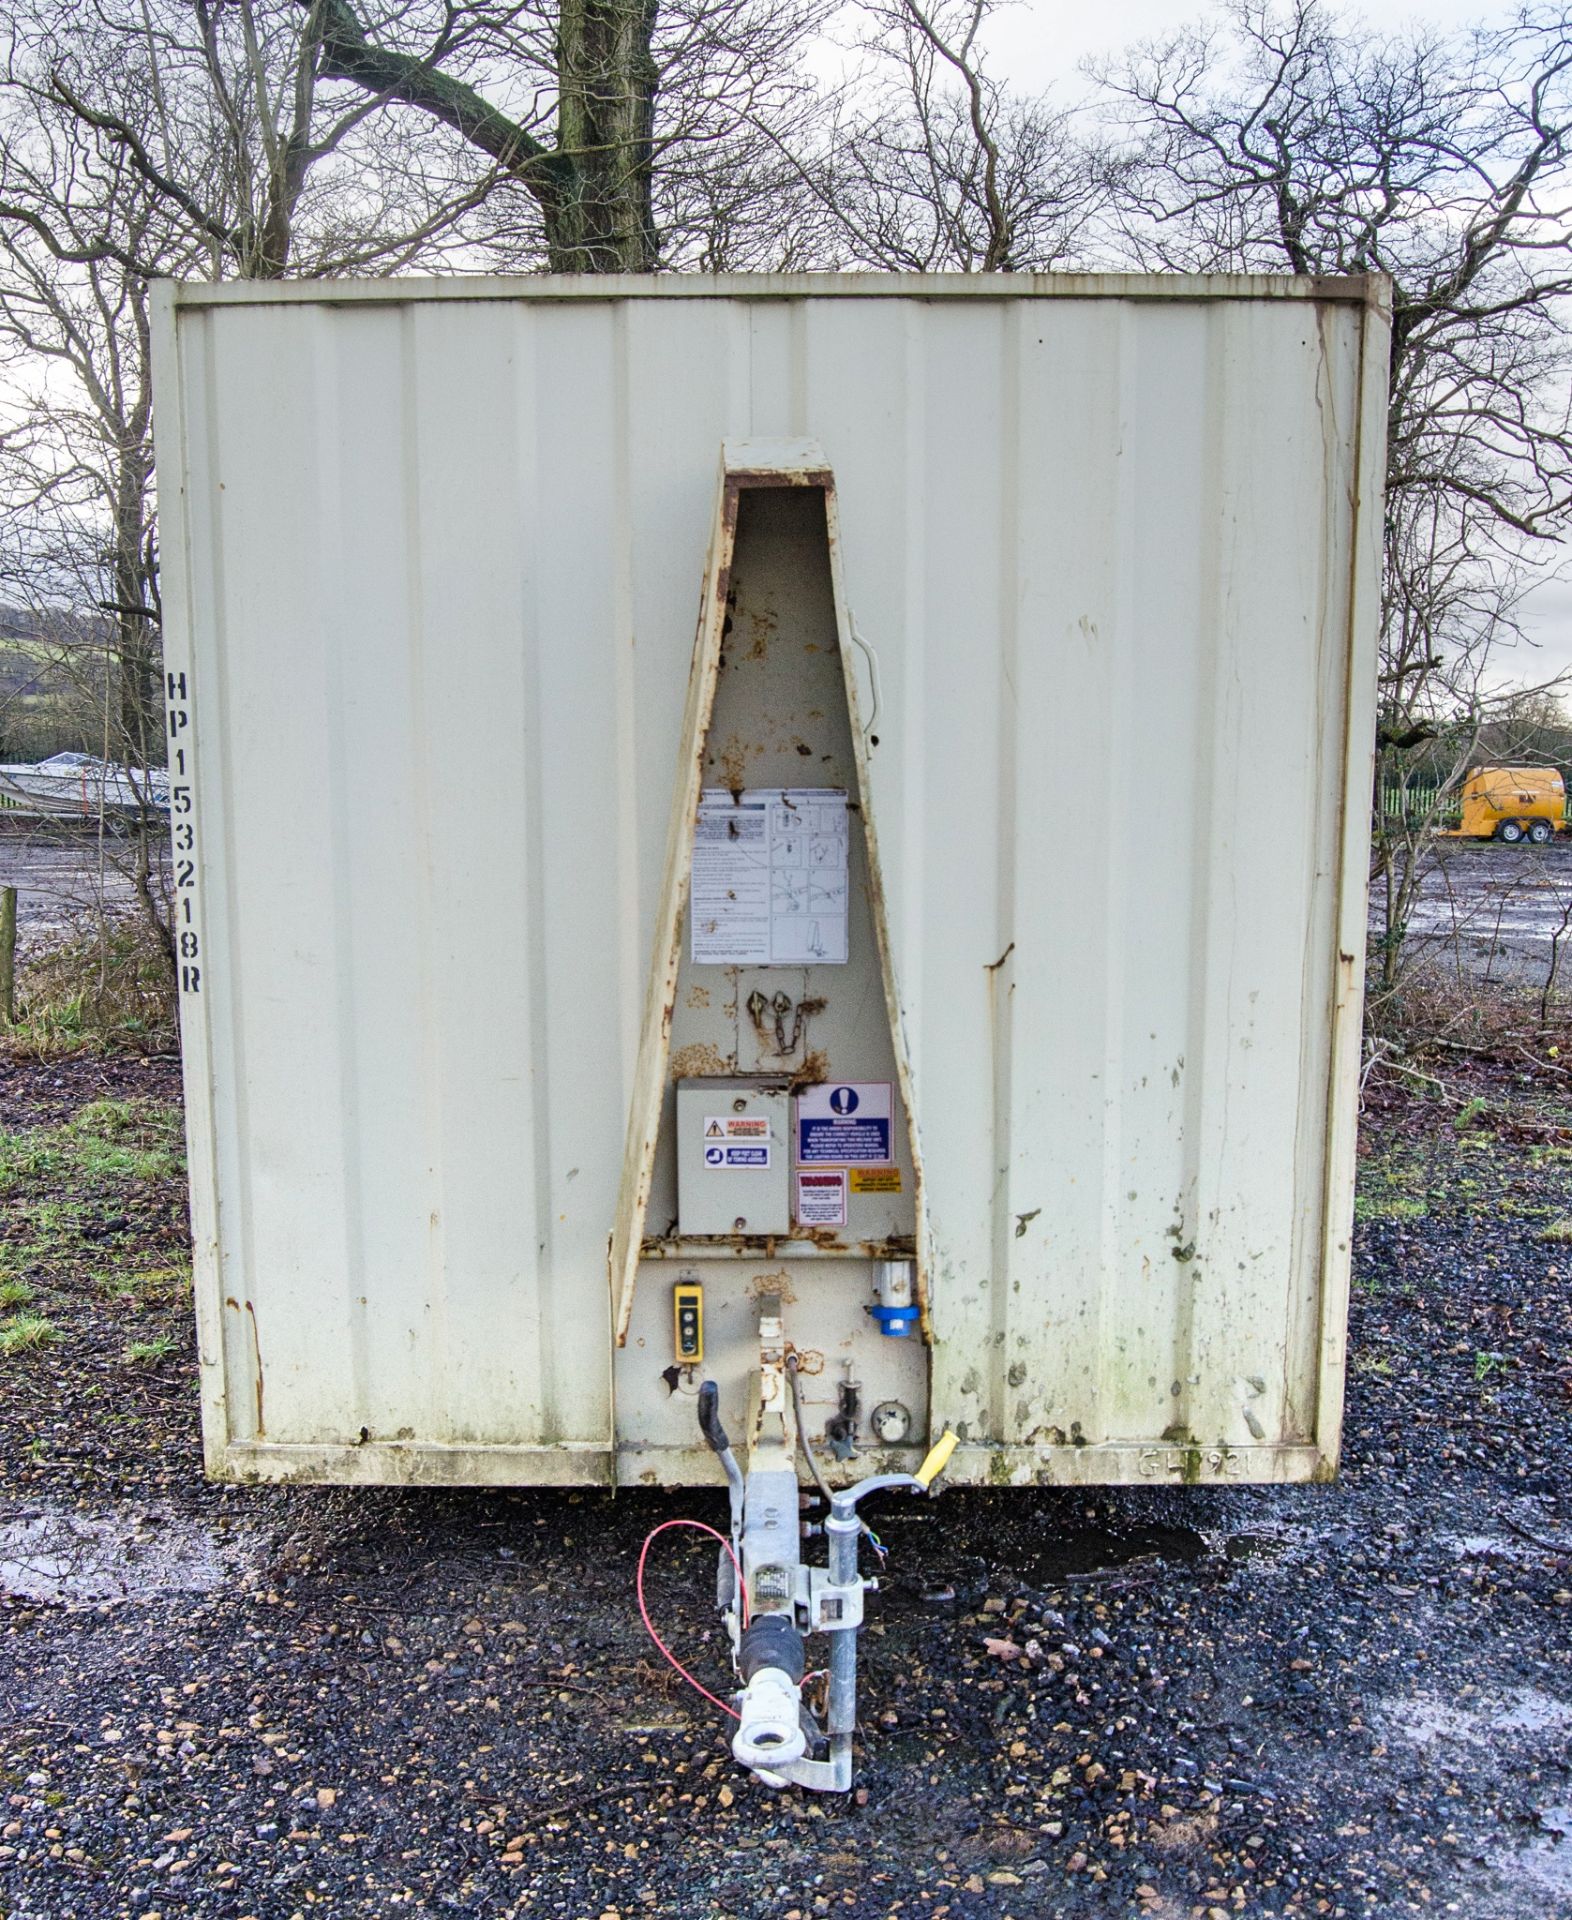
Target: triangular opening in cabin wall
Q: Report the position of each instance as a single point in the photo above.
(770, 1154)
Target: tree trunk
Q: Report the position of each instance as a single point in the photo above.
(594, 186)
(602, 218)
(135, 663)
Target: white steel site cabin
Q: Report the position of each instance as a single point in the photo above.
(954, 948)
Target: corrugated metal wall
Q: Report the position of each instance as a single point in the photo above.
(434, 564)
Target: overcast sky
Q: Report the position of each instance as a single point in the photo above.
(1042, 43)
(1044, 40)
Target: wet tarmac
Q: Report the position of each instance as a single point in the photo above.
(64, 877)
(1489, 913)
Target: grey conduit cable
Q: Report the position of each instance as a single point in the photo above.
(802, 1431)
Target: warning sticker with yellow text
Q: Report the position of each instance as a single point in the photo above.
(875, 1179)
(737, 1126)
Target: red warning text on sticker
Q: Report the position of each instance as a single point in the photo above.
(821, 1198)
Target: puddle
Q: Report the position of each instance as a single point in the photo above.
(60, 1557)
(1426, 1717)
(1481, 1546)
(1265, 1541)
(1254, 1546)
(1025, 1552)
(1534, 1713)
(1546, 1864)
(1092, 1550)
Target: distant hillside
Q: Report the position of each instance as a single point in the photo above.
(53, 682)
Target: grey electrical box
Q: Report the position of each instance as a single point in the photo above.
(733, 1157)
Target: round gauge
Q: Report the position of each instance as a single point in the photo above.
(891, 1423)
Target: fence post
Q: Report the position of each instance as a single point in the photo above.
(7, 955)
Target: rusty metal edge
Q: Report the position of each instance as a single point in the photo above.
(649, 1084)
(1131, 1463)
(1372, 289)
(1348, 959)
(887, 970)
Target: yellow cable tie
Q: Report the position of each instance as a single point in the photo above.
(938, 1458)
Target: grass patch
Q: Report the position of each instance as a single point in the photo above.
(25, 1331)
(96, 992)
(1559, 1232)
(147, 1286)
(148, 1353)
(109, 1140)
(1371, 1363)
(130, 1139)
(1396, 1182)
(1389, 1206)
(14, 1293)
(52, 1220)
(27, 1156)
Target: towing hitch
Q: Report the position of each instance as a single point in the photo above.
(772, 1601)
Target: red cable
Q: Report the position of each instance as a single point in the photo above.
(699, 1526)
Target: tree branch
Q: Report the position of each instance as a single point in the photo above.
(347, 54)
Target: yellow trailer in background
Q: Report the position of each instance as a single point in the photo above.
(1511, 804)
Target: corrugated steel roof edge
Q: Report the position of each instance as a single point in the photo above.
(1359, 289)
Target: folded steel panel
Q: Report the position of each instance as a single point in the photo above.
(434, 553)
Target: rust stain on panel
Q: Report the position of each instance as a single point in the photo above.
(701, 1060)
(777, 1283)
(256, 1352)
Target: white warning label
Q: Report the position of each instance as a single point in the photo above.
(737, 1126)
(821, 1197)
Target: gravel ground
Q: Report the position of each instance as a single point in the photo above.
(1346, 1700)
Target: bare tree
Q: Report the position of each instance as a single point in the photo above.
(79, 231)
(734, 109)
(1277, 138)
(142, 140)
(926, 162)
(218, 110)
(561, 117)
(591, 107)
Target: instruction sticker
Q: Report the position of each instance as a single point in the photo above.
(845, 1125)
(716, 1155)
(770, 877)
(821, 1198)
(875, 1179)
(737, 1126)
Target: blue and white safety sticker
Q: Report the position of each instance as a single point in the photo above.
(749, 1157)
(846, 1123)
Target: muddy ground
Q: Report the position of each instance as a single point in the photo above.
(1345, 1700)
